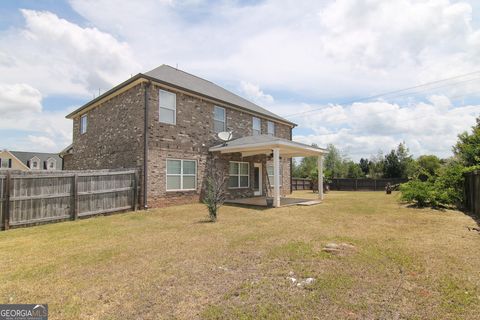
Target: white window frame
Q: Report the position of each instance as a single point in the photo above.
(49, 161)
(5, 160)
(38, 163)
(160, 107)
(239, 175)
(271, 177)
(259, 130)
(224, 120)
(181, 175)
(272, 124)
(83, 126)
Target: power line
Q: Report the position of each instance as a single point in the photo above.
(437, 87)
(408, 119)
(395, 92)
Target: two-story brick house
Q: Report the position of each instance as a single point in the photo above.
(166, 123)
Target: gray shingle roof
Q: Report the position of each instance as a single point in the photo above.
(262, 138)
(188, 81)
(26, 156)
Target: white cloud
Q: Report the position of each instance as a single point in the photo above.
(322, 49)
(22, 111)
(426, 127)
(42, 142)
(44, 131)
(51, 56)
(60, 57)
(255, 94)
(18, 97)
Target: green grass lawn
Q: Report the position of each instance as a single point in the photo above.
(168, 263)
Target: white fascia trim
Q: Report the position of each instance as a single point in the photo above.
(267, 145)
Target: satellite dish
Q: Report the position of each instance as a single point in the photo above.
(225, 136)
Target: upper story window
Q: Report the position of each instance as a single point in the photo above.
(271, 128)
(168, 107)
(35, 163)
(83, 123)
(51, 164)
(5, 163)
(239, 175)
(181, 175)
(219, 119)
(256, 126)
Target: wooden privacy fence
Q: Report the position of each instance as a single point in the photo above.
(350, 184)
(347, 184)
(33, 197)
(472, 192)
(301, 184)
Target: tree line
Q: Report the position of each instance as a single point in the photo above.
(432, 181)
(398, 163)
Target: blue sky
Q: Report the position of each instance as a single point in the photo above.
(311, 61)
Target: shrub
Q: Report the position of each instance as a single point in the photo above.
(444, 189)
(421, 193)
(449, 184)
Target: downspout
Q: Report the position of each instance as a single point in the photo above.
(291, 165)
(145, 146)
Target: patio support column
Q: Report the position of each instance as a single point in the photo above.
(320, 176)
(276, 177)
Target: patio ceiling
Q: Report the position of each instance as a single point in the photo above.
(264, 144)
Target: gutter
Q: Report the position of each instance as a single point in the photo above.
(291, 164)
(105, 94)
(145, 146)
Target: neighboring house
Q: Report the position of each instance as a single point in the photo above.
(181, 115)
(24, 161)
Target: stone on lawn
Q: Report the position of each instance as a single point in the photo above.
(335, 248)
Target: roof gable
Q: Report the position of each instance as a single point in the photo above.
(25, 156)
(191, 82)
(180, 79)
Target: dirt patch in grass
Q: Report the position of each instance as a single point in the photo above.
(160, 264)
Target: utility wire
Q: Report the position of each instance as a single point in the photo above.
(408, 119)
(390, 93)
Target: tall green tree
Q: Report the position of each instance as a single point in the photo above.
(304, 167)
(375, 166)
(428, 165)
(397, 163)
(334, 163)
(354, 170)
(364, 165)
(392, 167)
(467, 148)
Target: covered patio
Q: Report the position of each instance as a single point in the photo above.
(276, 148)
(262, 202)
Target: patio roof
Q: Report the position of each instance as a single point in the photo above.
(264, 144)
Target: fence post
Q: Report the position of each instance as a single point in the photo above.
(135, 191)
(356, 184)
(75, 197)
(6, 216)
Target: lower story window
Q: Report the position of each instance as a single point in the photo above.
(270, 174)
(181, 175)
(239, 175)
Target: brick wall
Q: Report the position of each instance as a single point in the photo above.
(190, 138)
(114, 137)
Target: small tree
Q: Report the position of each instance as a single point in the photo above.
(215, 193)
(375, 166)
